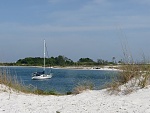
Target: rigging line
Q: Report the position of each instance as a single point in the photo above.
(48, 56)
(46, 51)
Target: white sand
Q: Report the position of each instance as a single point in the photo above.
(105, 68)
(86, 102)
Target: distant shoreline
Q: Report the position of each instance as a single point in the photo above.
(105, 68)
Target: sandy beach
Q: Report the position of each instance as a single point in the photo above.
(105, 68)
(87, 102)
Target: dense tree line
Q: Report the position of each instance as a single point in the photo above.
(63, 61)
(37, 61)
(60, 61)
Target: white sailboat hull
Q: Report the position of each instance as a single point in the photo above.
(41, 77)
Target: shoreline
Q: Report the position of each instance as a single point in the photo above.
(103, 68)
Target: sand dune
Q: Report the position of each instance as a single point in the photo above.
(86, 102)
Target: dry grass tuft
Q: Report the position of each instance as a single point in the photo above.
(132, 77)
(11, 82)
(82, 87)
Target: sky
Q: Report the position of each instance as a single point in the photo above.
(97, 29)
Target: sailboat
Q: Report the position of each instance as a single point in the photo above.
(41, 75)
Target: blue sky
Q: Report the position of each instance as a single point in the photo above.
(74, 28)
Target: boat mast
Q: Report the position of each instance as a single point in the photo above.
(44, 56)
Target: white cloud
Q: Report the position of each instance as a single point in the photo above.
(16, 27)
(99, 24)
(49, 28)
(92, 16)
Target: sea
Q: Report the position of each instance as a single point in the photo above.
(63, 80)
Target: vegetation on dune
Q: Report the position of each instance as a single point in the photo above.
(12, 83)
(85, 85)
(132, 76)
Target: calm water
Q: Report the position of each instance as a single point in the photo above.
(63, 80)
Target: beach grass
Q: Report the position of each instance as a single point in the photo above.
(12, 83)
(132, 76)
(82, 86)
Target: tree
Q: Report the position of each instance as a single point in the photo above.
(52, 61)
(85, 60)
(60, 60)
(68, 61)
